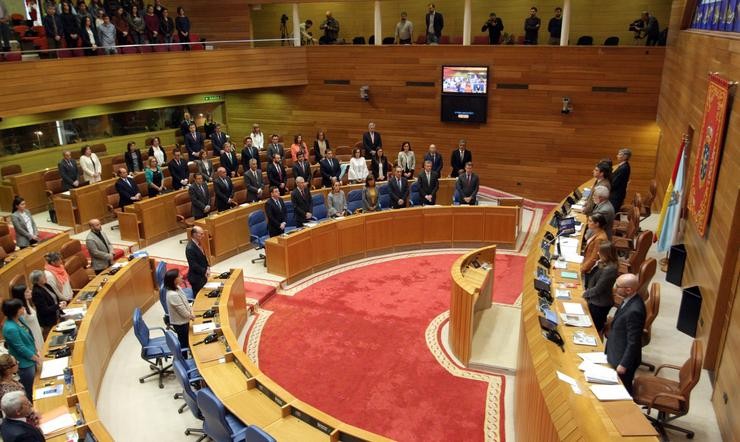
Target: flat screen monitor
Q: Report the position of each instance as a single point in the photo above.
(566, 226)
(464, 94)
(469, 80)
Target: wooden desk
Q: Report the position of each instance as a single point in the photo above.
(358, 236)
(150, 220)
(546, 408)
(30, 186)
(80, 205)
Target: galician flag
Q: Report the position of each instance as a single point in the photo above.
(670, 212)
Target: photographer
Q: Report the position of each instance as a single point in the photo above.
(307, 37)
(494, 26)
(330, 27)
(646, 26)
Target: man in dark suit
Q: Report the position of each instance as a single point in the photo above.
(185, 124)
(467, 186)
(224, 190)
(200, 197)
(399, 189)
(128, 191)
(248, 152)
(435, 22)
(459, 159)
(218, 140)
(15, 428)
(179, 170)
(229, 161)
(193, 143)
(54, 28)
(276, 174)
(428, 184)
(69, 172)
(624, 343)
(197, 260)
(371, 141)
(604, 207)
(276, 148)
(253, 182)
(330, 169)
(302, 202)
(276, 212)
(302, 168)
(435, 158)
(620, 178)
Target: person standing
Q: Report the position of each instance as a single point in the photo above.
(276, 213)
(21, 422)
(24, 295)
(532, 27)
(330, 26)
(57, 277)
(320, 144)
(371, 141)
(434, 24)
(649, 28)
(428, 184)
(404, 30)
(224, 190)
(179, 170)
(197, 260)
(4, 27)
(624, 342)
(107, 36)
(599, 282)
(200, 198)
(47, 302)
(276, 148)
(330, 169)
(306, 37)
(302, 202)
(154, 178)
(193, 142)
(90, 164)
(20, 344)
(460, 158)
(69, 172)
(133, 158)
(467, 186)
(182, 24)
(229, 160)
(436, 159)
(99, 246)
(258, 139)
(249, 152)
(128, 191)
(620, 179)
(276, 174)
(407, 160)
(336, 201)
(357, 167)
(178, 306)
(399, 189)
(253, 182)
(26, 232)
(555, 26)
(53, 28)
(301, 168)
(494, 26)
(218, 140)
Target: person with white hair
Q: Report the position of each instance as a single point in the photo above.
(302, 202)
(620, 178)
(17, 409)
(604, 207)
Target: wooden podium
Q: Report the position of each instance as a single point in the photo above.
(472, 291)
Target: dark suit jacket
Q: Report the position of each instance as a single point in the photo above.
(304, 171)
(375, 167)
(224, 190)
(194, 146)
(437, 162)
(439, 23)
(185, 126)
(457, 163)
(276, 215)
(317, 151)
(276, 178)
(86, 42)
(130, 161)
(49, 21)
(398, 192)
(248, 154)
(253, 184)
(428, 187)
(197, 264)
(369, 144)
(302, 204)
(466, 189)
(230, 166)
(17, 431)
(624, 345)
(217, 142)
(199, 199)
(272, 150)
(127, 189)
(599, 283)
(178, 173)
(329, 171)
(47, 307)
(69, 173)
(618, 192)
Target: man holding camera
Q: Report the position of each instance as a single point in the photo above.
(494, 26)
(646, 26)
(330, 26)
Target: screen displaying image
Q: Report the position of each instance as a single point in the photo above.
(464, 80)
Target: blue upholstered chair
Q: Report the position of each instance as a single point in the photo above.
(415, 195)
(384, 197)
(257, 434)
(258, 232)
(319, 207)
(218, 424)
(153, 350)
(159, 272)
(188, 394)
(290, 221)
(354, 200)
(180, 354)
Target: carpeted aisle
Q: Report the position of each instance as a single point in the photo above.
(354, 346)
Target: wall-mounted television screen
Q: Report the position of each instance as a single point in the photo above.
(464, 94)
(465, 79)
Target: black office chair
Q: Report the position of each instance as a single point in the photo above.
(371, 40)
(389, 40)
(358, 41)
(585, 40)
(611, 41)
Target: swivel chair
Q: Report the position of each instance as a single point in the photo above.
(258, 232)
(189, 395)
(153, 350)
(219, 425)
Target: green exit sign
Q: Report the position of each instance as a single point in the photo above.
(211, 98)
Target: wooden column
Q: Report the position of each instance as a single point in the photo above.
(565, 31)
(466, 23)
(296, 26)
(378, 26)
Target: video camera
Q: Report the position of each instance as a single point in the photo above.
(637, 27)
(284, 19)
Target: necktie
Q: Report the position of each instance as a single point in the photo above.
(468, 179)
(129, 183)
(429, 178)
(280, 173)
(462, 155)
(69, 163)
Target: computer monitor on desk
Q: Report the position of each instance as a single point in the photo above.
(566, 226)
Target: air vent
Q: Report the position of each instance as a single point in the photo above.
(336, 81)
(512, 86)
(420, 83)
(616, 90)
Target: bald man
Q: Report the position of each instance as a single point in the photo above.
(197, 260)
(100, 248)
(624, 343)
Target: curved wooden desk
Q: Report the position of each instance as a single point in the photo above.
(247, 392)
(546, 408)
(107, 320)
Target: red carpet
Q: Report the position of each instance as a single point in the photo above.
(354, 346)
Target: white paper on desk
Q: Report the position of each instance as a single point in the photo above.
(595, 357)
(64, 421)
(54, 367)
(584, 339)
(311, 224)
(570, 381)
(598, 374)
(610, 392)
(66, 193)
(74, 311)
(42, 393)
(573, 308)
(577, 207)
(213, 285)
(562, 294)
(575, 320)
(558, 264)
(579, 227)
(203, 328)
(565, 241)
(575, 258)
(118, 265)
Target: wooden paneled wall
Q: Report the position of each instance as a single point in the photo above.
(527, 147)
(711, 260)
(214, 21)
(598, 18)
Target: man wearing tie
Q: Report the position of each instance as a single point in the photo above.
(69, 172)
(185, 124)
(399, 189)
(178, 170)
(276, 174)
(224, 190)
(428, 184)
(459, 159)
(276, 212)
(127, 190)
(371, 141)
(467, 186)
(624, 345)
(218, 140)
(193, 143)
(99, 247)
(253, 182)
(435, 158)
(197, 260)
(301, 168)
(248, 152)
(302, 202)
(330, 169)
(276, 148)
(229, 160)
(200, 198)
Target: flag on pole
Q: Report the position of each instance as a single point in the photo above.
(670, 212)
